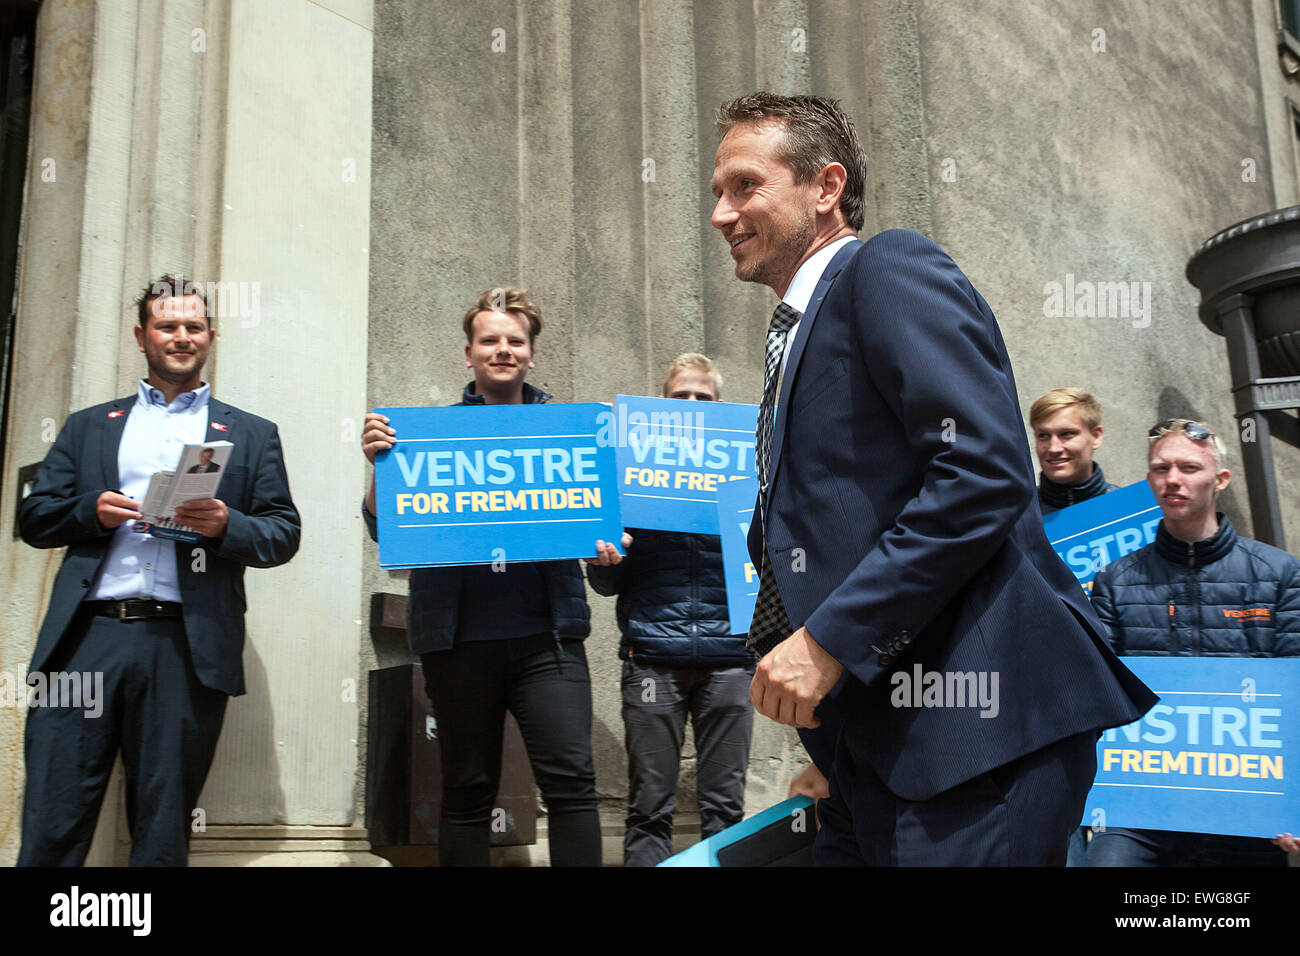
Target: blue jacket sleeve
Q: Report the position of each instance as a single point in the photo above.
(267, 534)
(55, 514)
(933, 352)
(608, 580)
(1103, 602)
(1288, 614)
(372, 523)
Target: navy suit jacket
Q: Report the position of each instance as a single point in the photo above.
(262, 530)
(903, 528)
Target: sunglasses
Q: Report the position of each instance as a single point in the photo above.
(1194, 430)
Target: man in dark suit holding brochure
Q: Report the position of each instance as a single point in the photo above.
(903, 566)
(162, 621)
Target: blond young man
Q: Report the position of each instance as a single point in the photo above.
(1066, 423)
(677, 643)
(1199, 589)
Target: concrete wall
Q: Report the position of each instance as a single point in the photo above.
(1112, 165)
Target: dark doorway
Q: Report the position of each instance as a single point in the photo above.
(17, 52)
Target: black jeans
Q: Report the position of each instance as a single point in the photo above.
(545, 684)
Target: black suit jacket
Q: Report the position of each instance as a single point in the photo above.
(903, 529)
(262, 530)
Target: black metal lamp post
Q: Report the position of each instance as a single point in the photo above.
(1249, 279)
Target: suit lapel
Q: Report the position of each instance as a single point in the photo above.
(114, 425)
(837, 263)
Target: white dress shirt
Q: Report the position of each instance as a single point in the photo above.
(140, 565)
(803, 284)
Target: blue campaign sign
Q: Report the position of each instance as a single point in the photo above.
(497, 483)
(674, 455)
(735, 511)
(1212, 756)
(1090, 535)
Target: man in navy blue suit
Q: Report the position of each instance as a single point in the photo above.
(158, 623)
(904, 572)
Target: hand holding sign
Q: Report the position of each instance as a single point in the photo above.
(607, 554)
(376, 436)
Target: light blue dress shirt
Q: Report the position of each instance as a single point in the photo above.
(140, 565)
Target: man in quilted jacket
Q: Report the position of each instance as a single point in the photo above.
(1200, 589)
(679, 657)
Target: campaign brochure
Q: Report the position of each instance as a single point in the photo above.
(195, 477)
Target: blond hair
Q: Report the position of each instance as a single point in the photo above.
(505, 299)
(693, 361)
(1060, 398)
(1175, 426)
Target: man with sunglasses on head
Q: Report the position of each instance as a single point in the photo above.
(1182, 596)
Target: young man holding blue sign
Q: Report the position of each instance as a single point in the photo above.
(1199, 590)
(679, 657)
(504, 637)
(1066, 423)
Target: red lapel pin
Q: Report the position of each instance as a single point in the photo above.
(117, 413)
(220, 427)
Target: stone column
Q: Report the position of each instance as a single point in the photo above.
(292, 228)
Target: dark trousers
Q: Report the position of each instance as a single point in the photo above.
(153, 708)
(1120, 847)
(545, 684)
(1019, 814)
(656, 702)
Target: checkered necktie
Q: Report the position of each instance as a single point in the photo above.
(770, 625)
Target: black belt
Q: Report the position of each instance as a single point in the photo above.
(135, 610)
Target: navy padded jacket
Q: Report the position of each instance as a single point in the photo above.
(672, 601)
(1226, 596)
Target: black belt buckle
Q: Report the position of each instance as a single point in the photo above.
(145, 610)
(122, 614)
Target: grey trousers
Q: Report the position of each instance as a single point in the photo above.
(656, 702)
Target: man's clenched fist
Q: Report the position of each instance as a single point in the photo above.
(792, 679)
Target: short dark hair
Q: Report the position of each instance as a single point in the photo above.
(171, 285)
(505, 299)
(817, 133)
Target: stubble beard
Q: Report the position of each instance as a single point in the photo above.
(779, 266)
(159, 370)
